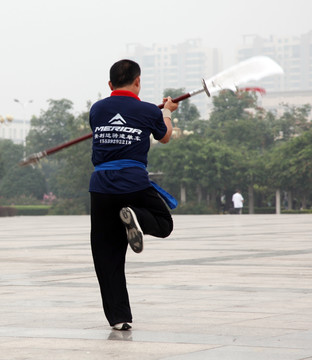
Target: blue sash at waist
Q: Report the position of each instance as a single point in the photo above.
(119, 164)
(126, 163)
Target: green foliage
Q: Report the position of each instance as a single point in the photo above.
(53, 127)
(20, 200)
(10, 155)
(236, 120)
(293, 122)
(68, 207)
(241, 146)
(71, 180)
(198, 163)
(15, 180)
(31, 210)
(299, 211)
(290, 164)
(67, 172)
(229, 105)
(193, 207)
(260, 210)
(186, 111)
(237, 147)
(23, 181)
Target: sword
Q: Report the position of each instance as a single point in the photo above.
(252, 69)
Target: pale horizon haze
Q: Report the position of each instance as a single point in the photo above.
(64, 48)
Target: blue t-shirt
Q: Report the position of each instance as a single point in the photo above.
(121, 126)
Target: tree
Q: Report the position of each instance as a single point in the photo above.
(67, 172)
(16, 181)
(26, 181)
(293, 122)
(290, 166)
(238, 147)
(71, 180)
(284, 162)
(186, 111)
(10, 154)
(237, 121)
(54, 126)
(202, 166)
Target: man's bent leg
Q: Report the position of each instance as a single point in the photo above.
(152, 213)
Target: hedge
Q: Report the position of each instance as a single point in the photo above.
(7, 211)
(31, 210)
(303, 211)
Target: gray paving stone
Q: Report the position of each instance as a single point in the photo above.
(220, 287)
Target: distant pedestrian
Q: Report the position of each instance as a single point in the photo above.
(238, 201)
(223, 203)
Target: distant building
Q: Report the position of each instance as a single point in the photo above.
(293, 54)
(175, 66)
(273, 101)
(15, 130)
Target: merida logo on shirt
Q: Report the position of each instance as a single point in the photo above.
(117, 132)
(117, 120)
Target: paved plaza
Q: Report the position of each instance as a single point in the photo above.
(221, 287)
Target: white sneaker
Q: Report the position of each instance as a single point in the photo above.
(122, 326)
(134, 231)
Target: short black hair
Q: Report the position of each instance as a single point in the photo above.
(124, 72)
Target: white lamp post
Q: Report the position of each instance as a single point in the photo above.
(24, 104)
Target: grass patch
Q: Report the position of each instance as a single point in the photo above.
(29, 210)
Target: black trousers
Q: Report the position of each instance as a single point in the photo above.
(109, 243)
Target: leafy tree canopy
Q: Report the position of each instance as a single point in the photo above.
(20, 181)
(293, 122)
(186, 111)
(53, 127)
(15, 180)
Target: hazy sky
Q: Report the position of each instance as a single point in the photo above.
(64, 48)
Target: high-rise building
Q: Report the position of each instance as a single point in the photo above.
(293, 54)
(15, 130)
(176, 66)
(276, 101)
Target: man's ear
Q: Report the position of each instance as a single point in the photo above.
(110, 85)
(137, 81)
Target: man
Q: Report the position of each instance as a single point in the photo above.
(124, 204)
(238, 201)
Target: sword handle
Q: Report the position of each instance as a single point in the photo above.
(176, 100)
